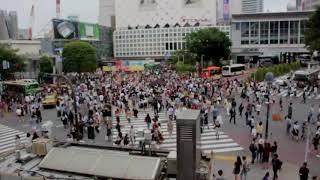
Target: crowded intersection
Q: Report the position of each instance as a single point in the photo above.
(121, 108)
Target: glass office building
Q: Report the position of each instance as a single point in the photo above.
(268, 33)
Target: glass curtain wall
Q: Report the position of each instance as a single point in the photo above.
(264, 32)
(254, 32)
(245, 33)
(284, 27)
(274, 32)
(302, 31)
(294, 30)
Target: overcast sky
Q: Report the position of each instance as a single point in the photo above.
(87, 10)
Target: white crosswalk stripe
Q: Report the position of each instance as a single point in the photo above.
(299, 93)
(7, 138)
(208, 140)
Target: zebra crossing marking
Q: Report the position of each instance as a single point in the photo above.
(208, 139)
(7, 138)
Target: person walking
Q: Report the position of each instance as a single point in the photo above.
(254, 150)
(148, 120)
(233, 115)
(304, 172)
(259, 129)
(276, 166)
(241, 107)
(289, 124)
(237, 168)
(170, 127)
(132, 135)
(245, 168)
(304, 97)
(274, 148)
(290, 110)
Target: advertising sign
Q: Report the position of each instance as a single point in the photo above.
(126, 65)
(223, 10)
(64, 29)
(89, 32)
(226, 10)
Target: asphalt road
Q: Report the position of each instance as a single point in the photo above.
(290, 151)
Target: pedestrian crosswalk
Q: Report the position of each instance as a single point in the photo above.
(7, 138)
(284, 92)
(208, 140)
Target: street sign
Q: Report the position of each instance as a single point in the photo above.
(5, 64)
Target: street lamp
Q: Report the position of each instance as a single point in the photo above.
(269, 79)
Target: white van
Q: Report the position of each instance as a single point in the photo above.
(233, 70)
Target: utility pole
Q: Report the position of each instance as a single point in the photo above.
(73, 94)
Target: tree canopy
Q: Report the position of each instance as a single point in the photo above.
(210, 43)
(16, 62)
(46, 64)
(79, 56)
(312, 34)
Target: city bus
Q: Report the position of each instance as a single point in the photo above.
(233, 70)
(306, 77)
(23, 86)
(211, 71)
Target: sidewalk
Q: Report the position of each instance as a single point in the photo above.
(289, 171)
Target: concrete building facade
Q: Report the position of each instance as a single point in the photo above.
(31, 50)
(140, 13)
(276, 34)
(158, 43)
(107, 13)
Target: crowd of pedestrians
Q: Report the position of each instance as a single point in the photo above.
(102, 98)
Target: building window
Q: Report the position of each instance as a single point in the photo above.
(302, 31)
(167, 46)
(274, 32)
(254, 33)
(245, 33)
(284, 32)
(294, 29)
(264, 32)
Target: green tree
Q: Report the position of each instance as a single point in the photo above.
(79, 56)
(16, 62)
(210, 43)
(46, 65)
(183, 56)
(312, 33)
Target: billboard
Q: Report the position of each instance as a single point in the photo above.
(64, 29)
(89, 32)
(223, 11)
(126, 65)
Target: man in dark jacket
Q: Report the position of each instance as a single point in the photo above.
(276, 166)
(304, 172)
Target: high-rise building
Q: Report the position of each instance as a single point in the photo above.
(4, 35)
(311, 4)
(252, 6)
(12, 24)
(107, 13)
(8, 25)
